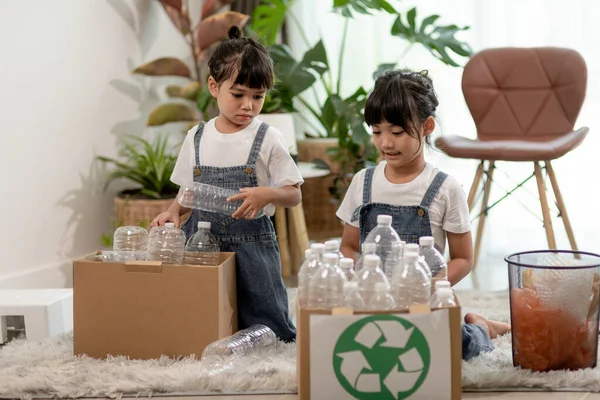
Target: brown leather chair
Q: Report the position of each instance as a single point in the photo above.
(524, 102)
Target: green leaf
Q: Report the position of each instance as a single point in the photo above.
(204, 100)
(295, 77)
(438, 39)
(189, 91)
(268, 18)
(347, 7)
(147, 164)
(165, 66)
(383, 68)
(171, 112)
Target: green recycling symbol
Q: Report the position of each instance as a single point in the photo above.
(381, 357)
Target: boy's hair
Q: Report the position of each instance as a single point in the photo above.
(402, 98)
(243, 58)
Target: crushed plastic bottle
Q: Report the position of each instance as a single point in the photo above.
(241, 343)
(202, 196)
(128, 240)
(166, 244)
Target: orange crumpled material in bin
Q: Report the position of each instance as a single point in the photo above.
(551, 338)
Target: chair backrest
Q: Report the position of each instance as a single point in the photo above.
(532, 94)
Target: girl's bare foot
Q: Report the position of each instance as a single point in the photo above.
(493, 328)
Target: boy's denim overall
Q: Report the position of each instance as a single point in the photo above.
(261, 293)
(412, 222)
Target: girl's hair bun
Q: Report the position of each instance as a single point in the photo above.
(234, 32)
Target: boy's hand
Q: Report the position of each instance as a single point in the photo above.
(255, 198)
(165, 217)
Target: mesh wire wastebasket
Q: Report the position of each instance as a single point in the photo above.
(554, 309)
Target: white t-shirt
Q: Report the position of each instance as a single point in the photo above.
(274, 166)
(448, 210)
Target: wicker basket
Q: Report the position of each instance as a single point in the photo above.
(319, 208)
(138, 212)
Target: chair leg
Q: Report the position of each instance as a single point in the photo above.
(475, 185)
(561, 205)
(544, 203)
(283, 240)
(483, 213)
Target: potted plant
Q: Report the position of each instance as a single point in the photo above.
(147, 167)
(342, 141)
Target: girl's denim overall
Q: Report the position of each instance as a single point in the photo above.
(412, 222)
(261, 293)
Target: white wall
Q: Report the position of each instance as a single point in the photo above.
(66, 93)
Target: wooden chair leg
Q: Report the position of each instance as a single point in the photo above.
(483, 213)
(298, 236)
(561, 205)
(544, 203)
(283, 240)
(475, 185)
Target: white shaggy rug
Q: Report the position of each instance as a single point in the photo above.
(49, 369)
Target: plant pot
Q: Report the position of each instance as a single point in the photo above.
(131, 211)
(319, 205)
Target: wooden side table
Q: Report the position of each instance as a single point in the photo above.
(290, 225)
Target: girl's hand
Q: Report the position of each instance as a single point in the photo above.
(255, 198)
(165, 217)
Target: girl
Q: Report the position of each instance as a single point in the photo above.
(422, 200)
(235, 150)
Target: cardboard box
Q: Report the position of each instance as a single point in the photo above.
(377, 354)
(144, 309)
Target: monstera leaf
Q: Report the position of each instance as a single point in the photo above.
(438, 39)
(296, 76)
(267, 19)
(347, 7)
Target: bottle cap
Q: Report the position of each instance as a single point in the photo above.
(346, 263)
(426, 241)
(383, 219)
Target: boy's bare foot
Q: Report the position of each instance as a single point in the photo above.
(493, 328)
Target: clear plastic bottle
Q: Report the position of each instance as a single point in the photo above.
(444, 298)
(437, 286)
(352, 298)
(166, 244)
(307, 269)
(130, 239)
(365, 250)
(434, 259)
(242, 342)
(413, 247)
(333, 246)
(202, 196)
(382, 300)
(387, 241)
(369, 276)
(411, 283)
(326, 287)
(347, 267)
(202, 248)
